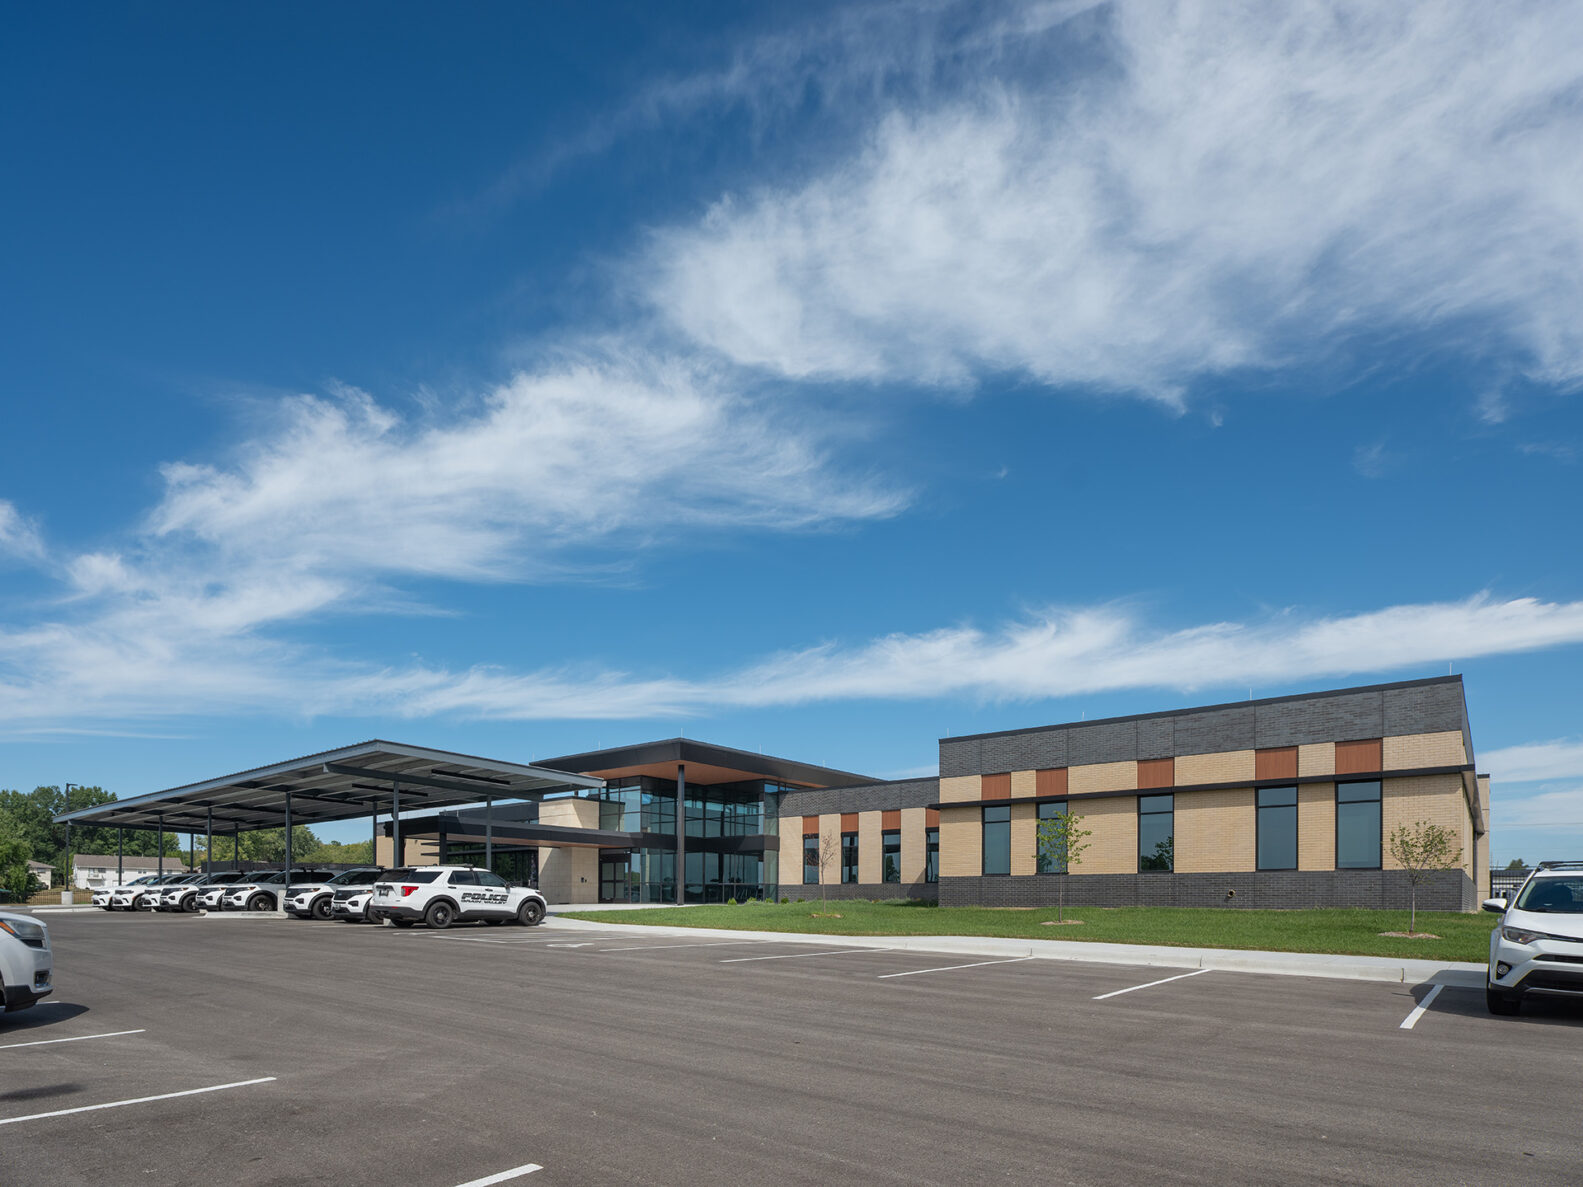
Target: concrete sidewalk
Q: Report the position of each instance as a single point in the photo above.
(1293, 964)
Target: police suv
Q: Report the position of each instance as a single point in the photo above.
(441, 895)
(1538, 948)
(103, 898)
(151, 898)
(313, 900)
(126, 898)
(258, 892)
(187, 896)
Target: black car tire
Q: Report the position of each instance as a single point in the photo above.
(1502, 1004)
(440, 915)
(531, 913)
(261, 902)
(190, 903)
(321, 908)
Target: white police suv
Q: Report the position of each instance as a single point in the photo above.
(1538, 948)
(104, 897)
(314, 900)
(441, 895)
(351, 904)
(189, 895)
(263, 892)
(25, 962)
(128, 897)
(152, 898)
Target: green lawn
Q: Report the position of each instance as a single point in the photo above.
(1344, 931)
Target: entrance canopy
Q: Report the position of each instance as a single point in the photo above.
(354, 781)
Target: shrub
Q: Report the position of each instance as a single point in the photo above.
(731, 902)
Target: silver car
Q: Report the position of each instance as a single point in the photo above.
(25, 962)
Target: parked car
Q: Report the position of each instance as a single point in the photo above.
(353, 904)
(263, 891)
(314, 900)
(189, 895)
(26, 966)
(441, 895)
(151, 898)
(1538, 947)
(103, 898)
(125, 898)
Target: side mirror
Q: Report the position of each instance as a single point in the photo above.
(1496, 905)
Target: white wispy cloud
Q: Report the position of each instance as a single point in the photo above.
(19, 538)
(1561, 809)
(1533, 762)
(1133, 195)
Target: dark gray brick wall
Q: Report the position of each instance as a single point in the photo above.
(875, 892)
(863, 797)
(1275, 890)
(1343, 717)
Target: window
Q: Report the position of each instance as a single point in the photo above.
(485, 878)
(849, 857)
(1358, 825)
(1276, 817)
(1156, 833)
(1049, 810)
(890, 868)
(464, 878)
(931, 855)
(997, 840)
(810, 860)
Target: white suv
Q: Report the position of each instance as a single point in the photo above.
(265, 891)
(189, 895)
(313, 900)
(128, 897)
(104, 897)
(25, 962)
(440, 895)
(1538, 948)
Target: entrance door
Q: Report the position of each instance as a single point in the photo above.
(614, 882)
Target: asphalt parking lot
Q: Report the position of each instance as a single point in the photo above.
(262, 1051)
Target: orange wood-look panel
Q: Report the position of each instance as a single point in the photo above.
(890, 819)
(810, 826)
(997, 787)
(1156, 772)
(1356, 757)
(1050, 782)
(1279, 762)
(931, 818)
(849, 822)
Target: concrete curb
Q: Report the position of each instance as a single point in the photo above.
(243, 915)
(1388, 969)
(74, 910)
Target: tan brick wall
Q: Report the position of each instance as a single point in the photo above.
(1411, 751)
(1317, 759)
(1023, 783)
(1104, 776)
(914, 844)
(569, 875)
(870, 850)
(961, 842)
(1113, 848)
(1024, 841)
(956, 789)
(830, 834)
(570, 813)
(1316, 825)
(1215, 831)
(416, 852)
(1436, 799)
(1226, 766)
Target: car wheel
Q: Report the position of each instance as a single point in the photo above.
(368, 914)
(190, 904)
(321, 909)
(439, 915)
(1502, 1004)
(531, 913)
(261, 902)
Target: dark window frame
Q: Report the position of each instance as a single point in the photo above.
(1041, 814)
(1379, 801)
(810, 873)
(984, 823)
(849, 844)
(886, 866)
(1258, 827)
(931, 855)
(1141, 813)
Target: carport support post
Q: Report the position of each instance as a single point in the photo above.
(120, 851)
(395, 823)
(208, 844)
(286, 885)
(161, 845)
(489, 832)
(681, 834)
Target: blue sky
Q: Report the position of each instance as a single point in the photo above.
(519, 379)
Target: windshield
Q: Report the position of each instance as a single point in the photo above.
(1554, 896)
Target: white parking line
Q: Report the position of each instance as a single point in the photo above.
(1418, 1011)
(1151, 984)
(948, 968)
(140, 1100)
(78, 1039)
(798, 955)
(725, 944)
(515, 1172)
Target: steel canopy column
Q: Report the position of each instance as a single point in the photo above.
(395, 823)
(236, 846)
(161, 844)
(681, 833)
(373, 840)
(286, 885)
(489, 832)
(208, 844)
(120, 850)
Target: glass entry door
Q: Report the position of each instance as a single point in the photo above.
(615, 881)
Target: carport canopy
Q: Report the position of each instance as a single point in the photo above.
(354, 781)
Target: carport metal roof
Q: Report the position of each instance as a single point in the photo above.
(334, 785)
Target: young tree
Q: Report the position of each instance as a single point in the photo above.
(1060, 844)
(1423, 849)
(14, 855)
(829, 855)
